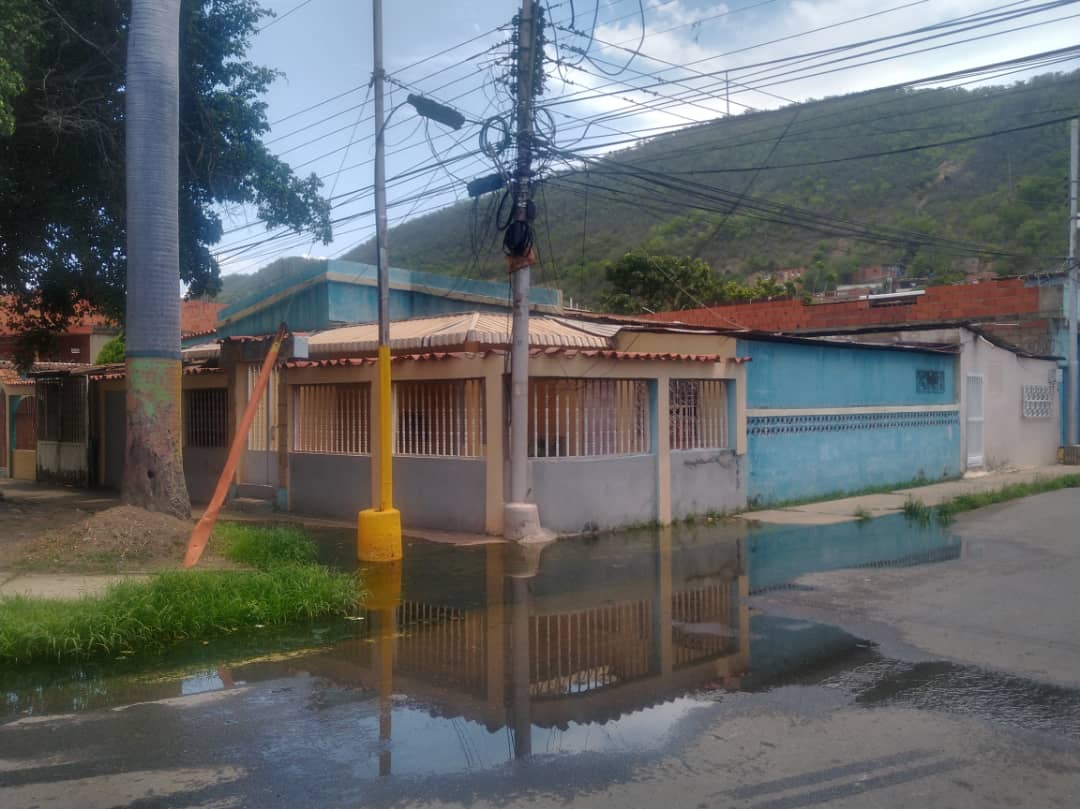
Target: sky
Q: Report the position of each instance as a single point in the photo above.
(691, 61)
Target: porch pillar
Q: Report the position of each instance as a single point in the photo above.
(662, 442)
(494, 451)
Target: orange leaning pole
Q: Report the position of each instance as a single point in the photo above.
(201, 535)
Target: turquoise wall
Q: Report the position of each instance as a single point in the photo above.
(798, 375)
(330, 302)
(795, 457)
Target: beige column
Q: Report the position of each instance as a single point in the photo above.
(494, 458)
(663, 450)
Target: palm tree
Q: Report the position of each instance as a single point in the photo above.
(153, 469)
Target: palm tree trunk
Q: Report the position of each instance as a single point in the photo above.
(154, 468)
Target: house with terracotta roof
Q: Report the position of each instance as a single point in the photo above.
(630, 421)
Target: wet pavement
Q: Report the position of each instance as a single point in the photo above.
(635, 669)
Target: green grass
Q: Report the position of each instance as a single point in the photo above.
(946, 511)
(179, 605)
(967, 502)
(264, 545)
(861, 514)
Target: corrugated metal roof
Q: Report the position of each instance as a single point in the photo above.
(549, 351)
(202, 351)
(455, 330)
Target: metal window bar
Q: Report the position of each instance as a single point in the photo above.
(333, 419)
(263, 433)
(206, 417)
(576, 418)
(698, 413)
(61, 409)
(439, 418)
(1037, 401)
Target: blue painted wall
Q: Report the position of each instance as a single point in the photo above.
(329, 301)
(798, 375)
(794, 457)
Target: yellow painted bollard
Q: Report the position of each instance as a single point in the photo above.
(378, 530)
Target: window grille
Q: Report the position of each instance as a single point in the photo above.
(61, 409)
(333, 419)
(575, 418)
(1038, 401)
(263, 433)
(698, 410)
(443, 418)
(206, 415)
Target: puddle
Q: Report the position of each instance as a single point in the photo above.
(473, 657)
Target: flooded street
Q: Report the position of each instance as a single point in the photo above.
(693, 666)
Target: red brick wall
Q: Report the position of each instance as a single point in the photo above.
(1005, 298)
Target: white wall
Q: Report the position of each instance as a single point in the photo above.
(1010, 439)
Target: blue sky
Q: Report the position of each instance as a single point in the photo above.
(324, 48)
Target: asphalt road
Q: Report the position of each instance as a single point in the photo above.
(968, 700)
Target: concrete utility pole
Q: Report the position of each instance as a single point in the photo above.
(520, 518)
(378, 530)
(1072, 393)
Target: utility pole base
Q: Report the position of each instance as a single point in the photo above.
(378, 535)
(521, 523)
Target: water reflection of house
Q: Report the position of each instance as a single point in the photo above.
(524, 645)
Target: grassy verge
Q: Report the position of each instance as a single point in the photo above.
(946, 512)
(176, 605)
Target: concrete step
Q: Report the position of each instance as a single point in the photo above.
(256, 491)
(252, 505)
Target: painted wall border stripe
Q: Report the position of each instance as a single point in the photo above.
(761, 412)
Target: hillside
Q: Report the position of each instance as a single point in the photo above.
(1006, 191)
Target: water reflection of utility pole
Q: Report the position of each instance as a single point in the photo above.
(383, 582)
(519, 666)
(384, 651)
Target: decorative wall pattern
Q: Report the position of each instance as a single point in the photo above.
(845, 422)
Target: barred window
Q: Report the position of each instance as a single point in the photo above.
(698, 409)
(61, 409)
(333, 419)
(574, 418)
(443, 418)
(206, 418)
(1038, 401)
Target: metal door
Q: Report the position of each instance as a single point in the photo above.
(974, 407)
(115, 438)
(260, 460)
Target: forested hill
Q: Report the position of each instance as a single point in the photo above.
(938, 210)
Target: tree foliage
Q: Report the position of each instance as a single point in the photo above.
(62, 184)
(112, 352)
(641, 282)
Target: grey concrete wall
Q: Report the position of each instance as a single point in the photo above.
(447, 494)
(260, 467)
(334, 486)
(579, 494)
(202, 468)
(706, 480)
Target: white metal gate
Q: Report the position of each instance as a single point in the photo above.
(974, 407)
(260, 461)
